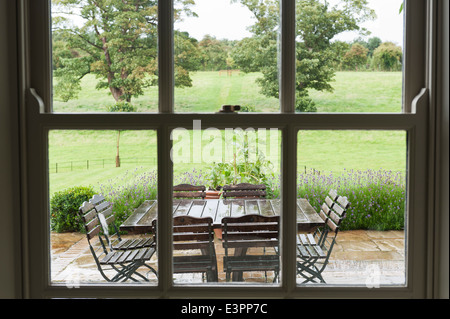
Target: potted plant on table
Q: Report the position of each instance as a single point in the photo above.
(248, 165)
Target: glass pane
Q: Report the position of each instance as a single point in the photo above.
(349, 56)
(104, 56)
(226, 53)
(86, 164)
(367, 169)
(220, 174)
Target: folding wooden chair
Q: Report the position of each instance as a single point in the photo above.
(124, 263)
(314, 250)
(110, 231)
(189, 191)
(250, 231)
(244, 190)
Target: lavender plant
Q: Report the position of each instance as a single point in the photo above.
(377, 197)
(129, 192)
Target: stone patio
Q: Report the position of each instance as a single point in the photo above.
(360, 257)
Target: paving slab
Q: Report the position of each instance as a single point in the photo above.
(355, 255)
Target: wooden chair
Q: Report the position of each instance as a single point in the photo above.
(250, 231)
(124, 263)
(110, 231)
(314, 250)
(244, 190)
(189, 191)
(193, 233)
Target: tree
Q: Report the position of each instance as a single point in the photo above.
(339, 49)
(356, 57)
(372, 44)
(317, 24)
(120, 107)
(187, 57)
(388, 57)
(116, 41)
(215, 53)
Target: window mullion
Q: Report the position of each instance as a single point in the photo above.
(288, 193)
(287, 56)
(165, 165)
(165, 56)
(165, 185)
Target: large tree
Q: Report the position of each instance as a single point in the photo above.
(317, 24)
(114, 39)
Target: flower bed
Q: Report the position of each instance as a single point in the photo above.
(377, 198)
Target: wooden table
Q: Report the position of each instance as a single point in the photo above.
(140, 221)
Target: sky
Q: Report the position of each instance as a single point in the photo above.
(229, 21)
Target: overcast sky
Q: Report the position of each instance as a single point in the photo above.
(229, 21)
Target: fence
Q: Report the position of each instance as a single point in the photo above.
(61, 167)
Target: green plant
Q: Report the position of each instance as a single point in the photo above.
(248, 108)
(388, 57)
(121, 106)
(129, 192)
(377, 197)
(247, 166)
(64, 207)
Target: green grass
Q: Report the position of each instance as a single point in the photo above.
(353, 92)
(359, 92)
(335, 151)
(321, 150)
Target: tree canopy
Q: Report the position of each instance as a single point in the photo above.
(115, 40)
(317, 24)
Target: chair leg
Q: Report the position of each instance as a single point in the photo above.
(309, 271)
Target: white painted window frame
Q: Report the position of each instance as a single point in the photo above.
(37, 119)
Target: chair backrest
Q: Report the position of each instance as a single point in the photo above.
(244, 190)
(189, 191)
(190, 232)
(250, 231)
(90, 220)
(333, 210)
(92, 226)
(106, 218)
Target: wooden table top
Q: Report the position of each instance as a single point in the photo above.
(140, 221)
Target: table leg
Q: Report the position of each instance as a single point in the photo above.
(239, 275)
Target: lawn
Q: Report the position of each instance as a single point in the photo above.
(353, 92)
(87, 157)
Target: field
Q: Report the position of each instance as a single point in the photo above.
(87, 157)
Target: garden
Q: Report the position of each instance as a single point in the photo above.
(370, 172)
(363, 75)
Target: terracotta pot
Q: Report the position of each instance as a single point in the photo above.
(218, 233)
(213, 194)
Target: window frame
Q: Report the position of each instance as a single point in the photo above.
(37, 120)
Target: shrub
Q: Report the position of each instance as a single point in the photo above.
(355, 58)
(64, 207)
(387, 57)
(121, 106)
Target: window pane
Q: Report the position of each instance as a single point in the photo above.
(104, 56)
(226, 53)
(368, 169)
(349, 57)
(240, 171)
(80, 167)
